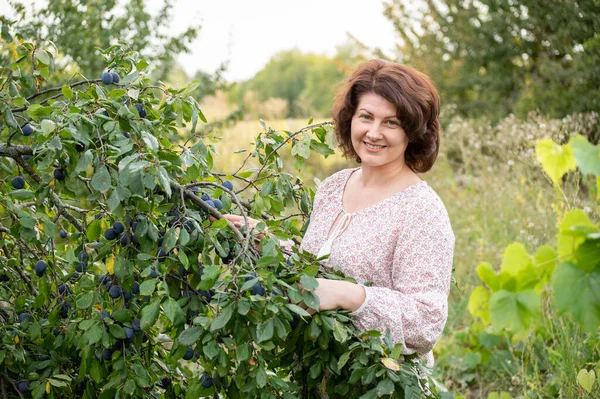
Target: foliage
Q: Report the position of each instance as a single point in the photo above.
(306, 81)
(494, 58)
(77, 29)
(512, 299)
(120, 269)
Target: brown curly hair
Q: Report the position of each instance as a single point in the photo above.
(417, 105)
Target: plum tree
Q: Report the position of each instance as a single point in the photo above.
(169, 279)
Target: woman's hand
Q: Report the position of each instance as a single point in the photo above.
(337, 294)
(238, 221)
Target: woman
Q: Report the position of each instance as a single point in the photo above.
(380, 223)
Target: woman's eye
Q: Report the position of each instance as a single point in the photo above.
(364, 116)
(392, 123)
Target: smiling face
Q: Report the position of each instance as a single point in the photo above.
(377, 136)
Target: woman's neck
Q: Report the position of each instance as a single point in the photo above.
(380, 176)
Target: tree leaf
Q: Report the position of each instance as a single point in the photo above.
(150, 314)
(173, 311)
(101, 180)
(264, 330)
(221, 320)
(190, 336)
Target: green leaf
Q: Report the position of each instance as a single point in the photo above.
(93, 334)
(308, 282)
(264, 330)
(242, 352)
(21, 194)
(129, 387)
(67, 92)
(545, 261)
(211, 273)
(578, 293)
(385, 387)
(147, 287)
(190, 336)
(298, 310)
(301, 147)
(170, 240)
(515, 310)
(221, 320)
(164, 181)
(566, 242)
(515, 259)
(340, 332)
(371, 394)
(117, 331)
(261, 377)
(84, 161)
(479, 304)
(343, 359)
(43, 57)
(150, 314)
(174, 312)
(48, 126)
(586, 154)
(556, 160)
(85, 301)
(101, 180)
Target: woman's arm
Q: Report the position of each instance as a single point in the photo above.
(415, 309)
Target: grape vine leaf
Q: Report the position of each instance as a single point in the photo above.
(515, 310)
(578, 293)
(556, 159)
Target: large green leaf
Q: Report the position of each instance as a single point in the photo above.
(515, 310)
(515, 259)
(578, 292)
(567, 242)
(556, 160)
(479, 304)
(586, 154)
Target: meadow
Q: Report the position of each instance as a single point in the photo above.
(496, 193)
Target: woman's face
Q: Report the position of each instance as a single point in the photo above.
(376, 134)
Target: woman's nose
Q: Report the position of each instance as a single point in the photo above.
(374, 132)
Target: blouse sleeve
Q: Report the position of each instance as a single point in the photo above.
(416, 308)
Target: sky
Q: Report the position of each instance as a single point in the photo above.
(248, 33)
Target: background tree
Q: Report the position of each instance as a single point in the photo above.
(306, 81)
(79, 28)
(497, 57)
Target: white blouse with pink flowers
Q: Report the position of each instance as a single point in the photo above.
(401, 248)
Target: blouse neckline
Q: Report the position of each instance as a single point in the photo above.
(398, 193)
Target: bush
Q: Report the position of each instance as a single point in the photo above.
(122, 279)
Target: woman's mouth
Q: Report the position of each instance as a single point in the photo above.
(373, 147)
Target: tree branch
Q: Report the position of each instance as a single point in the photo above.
(284, 143)
(51, 90)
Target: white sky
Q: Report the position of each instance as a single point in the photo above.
(249, 32)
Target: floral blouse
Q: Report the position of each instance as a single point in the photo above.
(404, 246)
